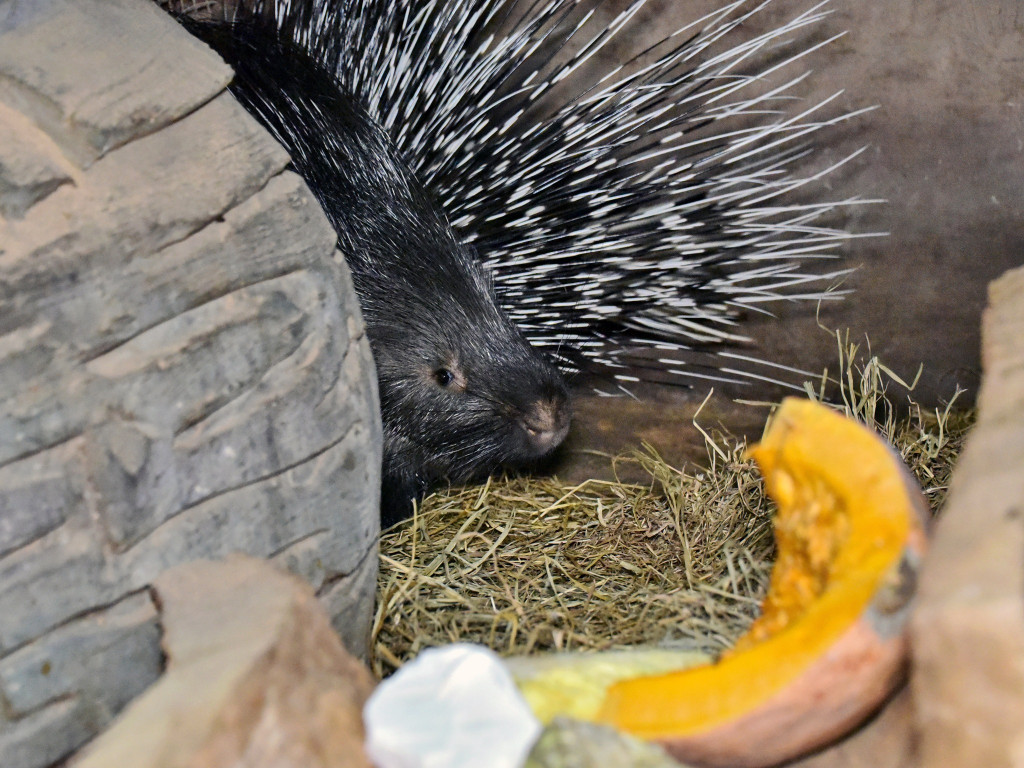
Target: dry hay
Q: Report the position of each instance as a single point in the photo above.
(531, 564)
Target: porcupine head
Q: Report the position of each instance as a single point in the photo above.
(462, 392)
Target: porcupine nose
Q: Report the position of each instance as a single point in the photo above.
(546, 423)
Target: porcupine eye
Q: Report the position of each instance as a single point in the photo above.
(449, 378)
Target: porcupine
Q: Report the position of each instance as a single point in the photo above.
(619, 231)
(461, 390)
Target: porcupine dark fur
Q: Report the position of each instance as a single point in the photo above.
(462, 392)
(628, 224)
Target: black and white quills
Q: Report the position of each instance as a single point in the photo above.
(510, 215)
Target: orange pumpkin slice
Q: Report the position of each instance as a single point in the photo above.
(829, 645)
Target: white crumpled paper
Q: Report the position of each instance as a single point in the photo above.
(452, 707)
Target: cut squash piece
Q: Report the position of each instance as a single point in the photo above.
(829, 645)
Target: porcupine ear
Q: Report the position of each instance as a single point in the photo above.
(630, 222)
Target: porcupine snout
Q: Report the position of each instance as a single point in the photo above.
(546, 423)
(531, 393)
(515, 407)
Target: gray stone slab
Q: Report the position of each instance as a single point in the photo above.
(133, 202)
(349, 601)
(131, 469)
(305, 558)
(30, 166)
(110, 655)
(296, 410)
(276, 231)
(183, 369)
(23, 359)
(44, 583)
(332, 491)
(45, 736)
(35, 418)
(180, 371)
(150, 193)
(225, 345)
(37, 494)
(99, 73)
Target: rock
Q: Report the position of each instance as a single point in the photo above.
(255, 677)
(121, 642)
(968, 631)
(30, 167)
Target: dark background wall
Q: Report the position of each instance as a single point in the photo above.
(945, 149)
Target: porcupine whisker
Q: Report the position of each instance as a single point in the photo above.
(807, 375)
(749, 376)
